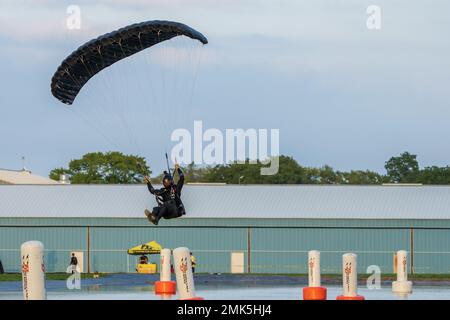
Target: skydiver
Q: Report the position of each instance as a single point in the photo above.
(169, 197)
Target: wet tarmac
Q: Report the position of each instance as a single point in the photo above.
(216, 287)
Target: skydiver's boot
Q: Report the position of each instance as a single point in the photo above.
(154, 220)
(151, 217)
(181, 210)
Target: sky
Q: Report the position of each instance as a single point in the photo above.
(339, 93)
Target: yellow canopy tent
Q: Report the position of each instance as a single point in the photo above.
(151, 247)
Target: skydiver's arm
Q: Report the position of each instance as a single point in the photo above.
(180, 180)
(152, 190)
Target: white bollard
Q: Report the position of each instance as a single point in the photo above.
(33, 271)
(165, 287)
(314, 291)
(314, 268)
(183, 272)
(165, 265)
(349, 278)
(402, 285)
(350, 275)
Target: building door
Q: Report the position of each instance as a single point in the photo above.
(237, 262)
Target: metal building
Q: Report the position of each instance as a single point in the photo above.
(239, 228)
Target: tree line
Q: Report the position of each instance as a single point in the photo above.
(118, 168)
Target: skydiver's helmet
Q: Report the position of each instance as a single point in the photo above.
(167, 179)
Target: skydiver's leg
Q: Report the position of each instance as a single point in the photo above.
(161, 213)
(172, 212)
(181, 211)
(155, 211)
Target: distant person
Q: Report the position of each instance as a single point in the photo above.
(143, 259)
(2, 271)
(193, 262)
(73, 263)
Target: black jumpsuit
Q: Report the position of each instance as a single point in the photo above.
(172, 206)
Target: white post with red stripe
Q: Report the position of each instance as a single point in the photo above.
(165, 286)
(402, 285)
(184, 275)
(165, 265)
(349, 278)
(314, 291)
(33, 271)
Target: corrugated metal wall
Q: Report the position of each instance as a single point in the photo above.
(212, 247)
(431, 251)
(268, 249)
(286, 251)
(58, 242)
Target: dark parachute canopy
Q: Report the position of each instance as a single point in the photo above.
(98, 54)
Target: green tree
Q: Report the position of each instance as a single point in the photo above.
(435, 175)
(361, 177)
(115, 167)
(55, 174)
(323, 175)
(104, 168)
(328, 176)
(290, 172)
(194, 173)
(402, 169)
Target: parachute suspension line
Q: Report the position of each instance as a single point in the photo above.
(89, 73)
(179, 113)
(197, 59)
(183, 65)
(150, 85)
(106, 85)
(178, 62)
(94, 127)
(165, 104)
(120, 102)
(146, 103)
(183, 73)
(170, 70)
(134, 71)
(156, 80)
(144, 55)
(106, 100)
(85, 119)
(125, 106)
(163, 77)
(152, 101)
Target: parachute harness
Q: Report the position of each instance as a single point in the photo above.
(172, 192)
